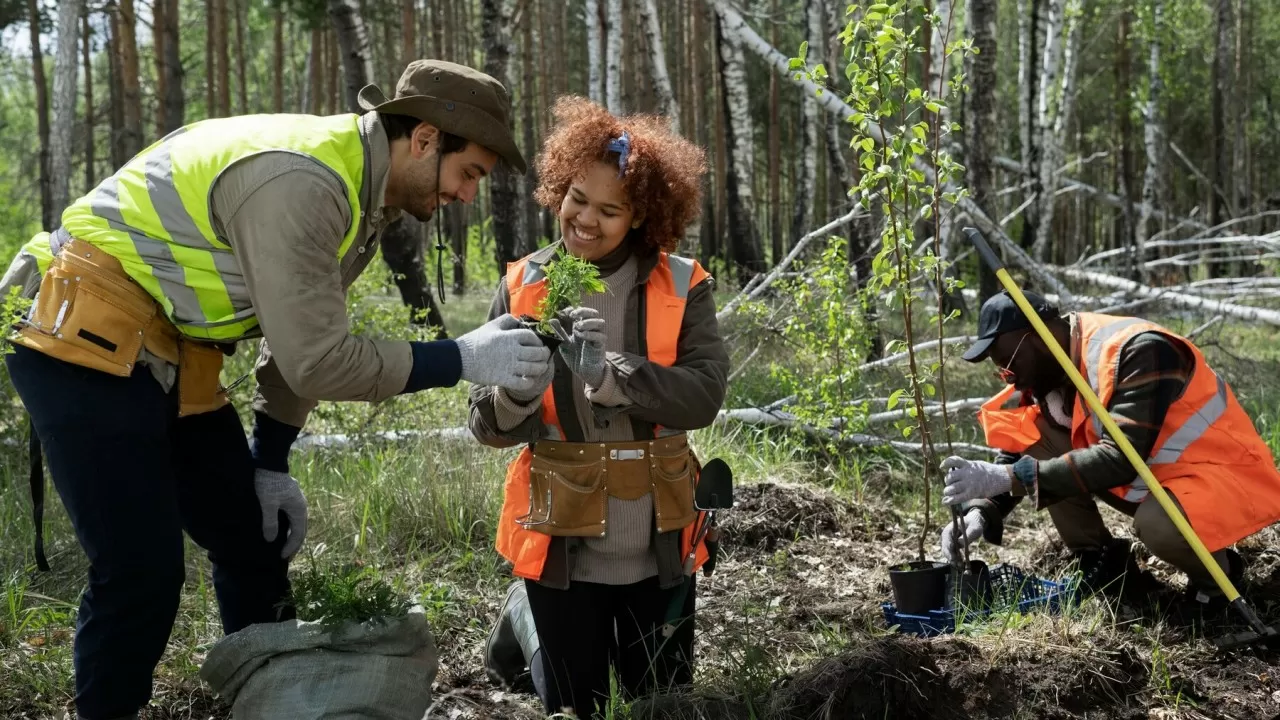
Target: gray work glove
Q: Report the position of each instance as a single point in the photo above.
(583, 351)
(540, 385)
(973, 525)
(974, 480)
(278, 492)
(503, 352)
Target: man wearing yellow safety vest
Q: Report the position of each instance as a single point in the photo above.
(226, 230)
(1175, 410)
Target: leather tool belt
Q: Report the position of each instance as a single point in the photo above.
(570, 484)
(90, 313)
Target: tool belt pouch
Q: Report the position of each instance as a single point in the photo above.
(673, 473)
(567, 497)
(85, 316)
(199, 389)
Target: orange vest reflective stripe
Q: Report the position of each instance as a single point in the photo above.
(1009, 420)
(1208, 452)
(666, 293)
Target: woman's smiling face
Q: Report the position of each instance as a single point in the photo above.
(596, 213)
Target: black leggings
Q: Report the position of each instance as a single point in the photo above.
(590, 628)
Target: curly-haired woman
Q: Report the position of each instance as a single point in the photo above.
(598, 516)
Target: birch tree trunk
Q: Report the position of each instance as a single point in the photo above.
(806, 177)
(86, 57)
(1153, 133)
(504, 187)
(131, 143)
(748, 253)
(174, 97)
(1240, 115)
(1124, 175)
(353, 40)
(47, 219)
(1220, 87)
(842, 176)
(528, 99)
(980, 118)
(1049, 108)
(65, 71)
(775, 155)
(595, 51)
(613, 51)
(667, 104)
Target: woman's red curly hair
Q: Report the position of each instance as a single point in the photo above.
(663, 178)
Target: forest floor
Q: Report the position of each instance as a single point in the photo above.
(789, 626)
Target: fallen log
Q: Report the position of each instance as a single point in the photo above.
(1216, 307)
(757, 416)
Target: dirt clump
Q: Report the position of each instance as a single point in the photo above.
(890, 677)
(767, 513)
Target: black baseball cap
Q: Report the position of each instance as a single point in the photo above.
(999, 315)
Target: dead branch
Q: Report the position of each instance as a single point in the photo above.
(1240, 312)
(757, 416)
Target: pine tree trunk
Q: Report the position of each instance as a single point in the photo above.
(1153, 136)
(1124, 173)
(242, 83)
(174, 97)
(528, 96)
(408, 39)
(48, 219)
(132, 100)
(223, 57)
(159, 19)
(89, 110)
(277, 63)
(210, 61)
(353, 42)
(504, 187)
(613, 53)
(747, 251)
(980, 119)
(66, 71)
(115, 92)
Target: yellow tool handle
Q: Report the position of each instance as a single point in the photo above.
(993, 260)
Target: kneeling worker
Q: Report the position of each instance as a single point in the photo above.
(1170, 404)
(225, 230)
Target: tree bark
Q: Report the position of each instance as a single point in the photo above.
(66, 70)
(174, 97)
(1028, 128)
(48, 220)
(408, 39)
(980, 118)
(159, 19)
(115, 92)
(224, 58)
(775, 154)
(613, 53)
(842, 178)
(353, 41)
(595, 51)
(1220, 83)
(89, 110)
(242, 83)
(1153, 135)
(802, 213)
(1240, 115)
(528, 98)
(747, 251)
(667, 104)
(210, 61)
(504, 187)
(277, 63)
(1124, 175)
(132, 100)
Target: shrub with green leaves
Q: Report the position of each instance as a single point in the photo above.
(335, 594)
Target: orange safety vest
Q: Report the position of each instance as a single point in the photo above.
(666, 292)
(1208, 453)
(1009, 420)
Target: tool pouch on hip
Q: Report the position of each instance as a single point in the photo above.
(567, 498)
(86, 316)
(199, 389)
(673, 472)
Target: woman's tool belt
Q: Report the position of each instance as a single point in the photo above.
(570, 484)
(89, 312)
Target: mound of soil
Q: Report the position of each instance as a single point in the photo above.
(766, 513)
(893, 677)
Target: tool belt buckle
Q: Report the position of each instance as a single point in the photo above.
(636, 454)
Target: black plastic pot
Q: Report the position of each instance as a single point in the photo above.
(970, 589)
(551, 341)
(919, 586)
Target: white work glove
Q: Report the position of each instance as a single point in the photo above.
(278, 492)
(973, 525)
(503, 352)
(583, 351)
(974, 480)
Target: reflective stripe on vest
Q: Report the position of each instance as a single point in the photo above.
(666, 292)
(154, 215)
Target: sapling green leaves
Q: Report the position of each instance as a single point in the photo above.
(569, 277)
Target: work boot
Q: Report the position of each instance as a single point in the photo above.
(512, 641)
(1210, 599)
(1110, 571)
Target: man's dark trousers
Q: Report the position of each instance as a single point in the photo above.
(133, 477)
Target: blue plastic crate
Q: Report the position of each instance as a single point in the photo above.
(1011, 586)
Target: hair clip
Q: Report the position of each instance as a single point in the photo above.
(622, 146)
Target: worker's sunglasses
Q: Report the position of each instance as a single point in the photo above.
(1004, 374)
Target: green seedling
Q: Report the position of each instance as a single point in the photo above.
(345, 593)
(569, 277)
